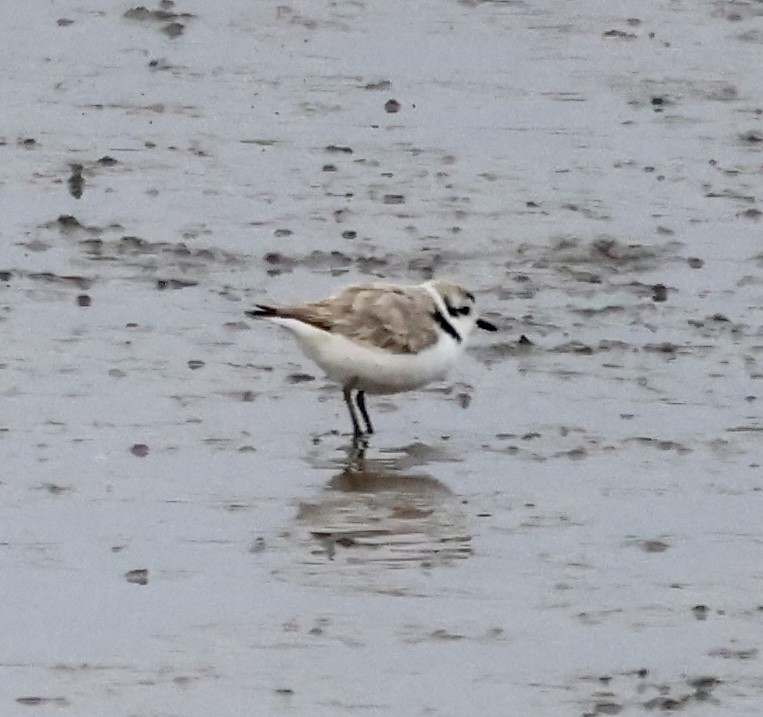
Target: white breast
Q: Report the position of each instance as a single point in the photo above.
(370, 369)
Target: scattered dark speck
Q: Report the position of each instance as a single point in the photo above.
(299, 378)
(76, 181)
(381, 85)
(654, 546)
(620, 34)
(392, 106)
(754, 136)
(695, 262)
(84, 300)
(163, 284)
(336, 149)
(393, 199)
(194, 364)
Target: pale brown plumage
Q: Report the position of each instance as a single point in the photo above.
(379, 315)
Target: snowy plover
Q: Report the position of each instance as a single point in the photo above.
(382, 338)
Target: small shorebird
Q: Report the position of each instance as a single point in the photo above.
(382, 338)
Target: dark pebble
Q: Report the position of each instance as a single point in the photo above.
(660, 292)
(137, 577)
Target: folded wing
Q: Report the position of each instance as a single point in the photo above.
(383, 316)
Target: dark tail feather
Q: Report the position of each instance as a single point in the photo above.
(262, 311)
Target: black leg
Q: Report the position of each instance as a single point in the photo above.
(361, 399)
(348, 400)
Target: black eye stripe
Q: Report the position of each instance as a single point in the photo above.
(461, 310)
(452, 310)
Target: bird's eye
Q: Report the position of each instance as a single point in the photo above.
(465, 310)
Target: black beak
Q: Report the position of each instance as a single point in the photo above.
(486, 325)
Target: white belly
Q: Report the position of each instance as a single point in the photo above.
(369, 369)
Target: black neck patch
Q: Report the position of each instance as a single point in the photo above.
(446, 326)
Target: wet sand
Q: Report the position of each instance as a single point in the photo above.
(571, 525)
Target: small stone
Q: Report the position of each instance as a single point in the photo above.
(654, 546)
(137, 577)
(67, 221)
(173, 29)
(700, 611)
(139, 449)
(392, 106)
(752, 137)
(84, 300)
(660, 292)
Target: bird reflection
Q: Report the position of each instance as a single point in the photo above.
(384, 510)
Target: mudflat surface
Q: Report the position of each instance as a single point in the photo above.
(571, 525)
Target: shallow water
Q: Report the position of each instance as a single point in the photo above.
(570, 525)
